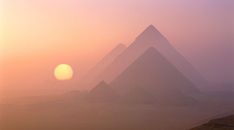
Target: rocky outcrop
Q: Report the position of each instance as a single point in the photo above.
(226, 123)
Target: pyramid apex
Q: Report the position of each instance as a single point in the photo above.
(102, 83)
(120, 45)
(151, 26)
(100, 87)
(149, 34)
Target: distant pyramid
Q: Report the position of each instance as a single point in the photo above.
(157, 78)
(102, 93)
(91, 78)
(150, 37)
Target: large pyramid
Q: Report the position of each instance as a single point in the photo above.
(150, 37)
(157, 78)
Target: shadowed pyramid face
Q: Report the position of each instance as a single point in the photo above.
(156, 76)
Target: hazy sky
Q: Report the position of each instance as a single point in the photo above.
(39, 34)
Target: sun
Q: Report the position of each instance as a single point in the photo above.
(63, 72)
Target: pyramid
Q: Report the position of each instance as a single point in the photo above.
(101, 93)
(150, 37)
(154, 75)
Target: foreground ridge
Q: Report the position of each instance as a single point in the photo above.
(226, 123)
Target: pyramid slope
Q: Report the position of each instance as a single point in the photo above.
(91, 78)
(157, 76)
(150, 37)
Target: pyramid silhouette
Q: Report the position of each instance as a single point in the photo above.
(101, 93)
(150, 37)
(157, 78)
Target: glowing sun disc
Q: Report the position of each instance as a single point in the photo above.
(63, 72)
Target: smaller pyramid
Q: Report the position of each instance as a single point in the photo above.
(101, 93)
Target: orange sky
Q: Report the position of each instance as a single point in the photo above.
(38, 35)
